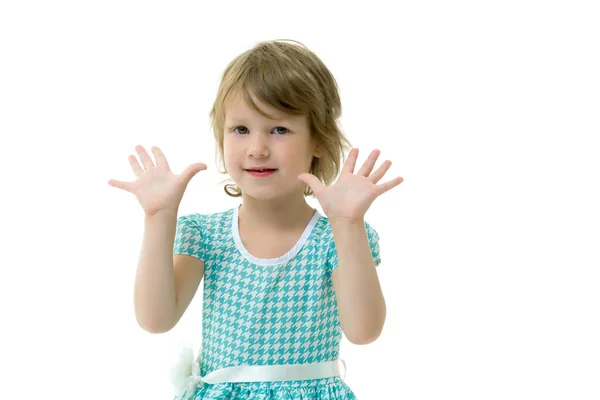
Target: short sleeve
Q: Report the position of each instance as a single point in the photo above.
(189, 238)
(372, 237)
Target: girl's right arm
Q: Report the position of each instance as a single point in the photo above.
(154, 291)
(164, 284)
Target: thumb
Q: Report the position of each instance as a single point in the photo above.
(312, 181)
(190, 171)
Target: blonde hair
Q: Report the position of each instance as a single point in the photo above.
(290, 78)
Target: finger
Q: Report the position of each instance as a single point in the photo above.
(120, 184)
(350, 161)
(380, 172)
(160, 158)
(135, 165)
(367, 167)
(384, 187)
(192, 170)
(312, 181)
(146, 160)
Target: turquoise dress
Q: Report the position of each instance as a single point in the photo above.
(266, 311)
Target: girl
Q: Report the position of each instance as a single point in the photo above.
(275, 303)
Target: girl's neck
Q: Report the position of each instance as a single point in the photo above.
(282, 215)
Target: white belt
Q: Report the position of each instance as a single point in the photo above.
(185, 374)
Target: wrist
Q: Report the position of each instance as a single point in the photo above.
(163, 213)
(346, 222)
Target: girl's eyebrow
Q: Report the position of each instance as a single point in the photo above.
(241, 121)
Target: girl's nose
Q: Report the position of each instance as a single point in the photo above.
(258, 146)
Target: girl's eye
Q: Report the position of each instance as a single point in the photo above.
(238, 127)
(275, 130)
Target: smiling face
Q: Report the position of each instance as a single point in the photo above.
(251, 140)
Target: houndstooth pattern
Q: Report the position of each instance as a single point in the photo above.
(266, 312)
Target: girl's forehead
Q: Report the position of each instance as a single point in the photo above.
(237, 109)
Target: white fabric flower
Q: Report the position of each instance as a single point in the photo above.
(185, 374)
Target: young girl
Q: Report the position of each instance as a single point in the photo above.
(275, 302)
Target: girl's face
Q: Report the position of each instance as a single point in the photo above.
(251, 140)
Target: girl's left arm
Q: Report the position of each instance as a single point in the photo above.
(360, 300)
(361, 304)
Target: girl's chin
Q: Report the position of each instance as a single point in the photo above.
(269, 193)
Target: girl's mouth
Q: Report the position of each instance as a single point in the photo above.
(260, 174)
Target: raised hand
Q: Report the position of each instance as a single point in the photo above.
(156, 187)
(351, 195)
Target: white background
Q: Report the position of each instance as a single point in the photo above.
(490, 247)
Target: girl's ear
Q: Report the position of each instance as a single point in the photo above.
(318, 153)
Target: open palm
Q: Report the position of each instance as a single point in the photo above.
(156, 187)
(352, 194)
